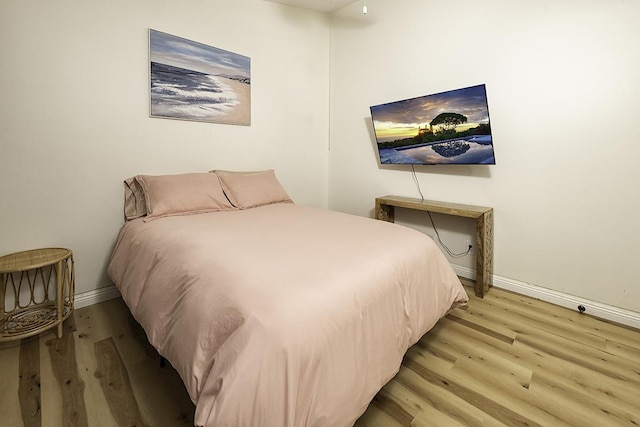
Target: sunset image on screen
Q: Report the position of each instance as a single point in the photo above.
(448, 127)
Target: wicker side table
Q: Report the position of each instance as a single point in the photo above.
(36, 291)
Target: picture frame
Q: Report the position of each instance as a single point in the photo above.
(193, 81)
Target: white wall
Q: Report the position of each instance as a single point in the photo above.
(564, 98)
(563, 95)
(74, 113)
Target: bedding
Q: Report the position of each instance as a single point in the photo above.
(182, 194)
(282, 315)
(250, 189)
(134, 203)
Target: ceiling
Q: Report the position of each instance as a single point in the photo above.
(319, 5)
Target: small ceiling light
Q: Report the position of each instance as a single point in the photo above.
(364, 9)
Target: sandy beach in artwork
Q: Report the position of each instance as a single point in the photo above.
(241, 112)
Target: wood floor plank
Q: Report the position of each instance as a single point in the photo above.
(520, 399)
(125, 332)
(570, 321)
(161, 396)
(489, 359)
(623, 350)
(597, 360)
(505, 360)
(50, 391)
(116, 386)
(563, 347)
(63, 361)
(29, 389)
(431, 417)
(427, 401)
(494, 331)
(563, 323)
(394, 408)
(52, 399)
(615, 332)
(544, 321)
(403, 397)
(576, 406)
(481, 391)
(488, 341)
(579, 378)
(376, 417)
(89, 321)
(96, 401)
(598, 385)
(92, 327)
(9, 383)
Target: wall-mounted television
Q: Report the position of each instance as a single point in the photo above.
(443, 128)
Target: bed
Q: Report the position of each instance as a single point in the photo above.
(274, 314)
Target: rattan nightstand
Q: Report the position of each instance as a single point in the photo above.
(36, 292)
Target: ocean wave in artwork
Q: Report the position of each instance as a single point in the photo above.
(186, 94)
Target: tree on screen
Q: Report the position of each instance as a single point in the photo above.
(448, 121)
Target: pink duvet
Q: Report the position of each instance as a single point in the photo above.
(282, 315)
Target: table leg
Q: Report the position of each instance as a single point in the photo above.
(60, 294)
(385, 212)
(484, 254)
(3, 291)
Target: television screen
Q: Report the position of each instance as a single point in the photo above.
(444, 128)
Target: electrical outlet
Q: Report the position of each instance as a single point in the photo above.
(467, 244)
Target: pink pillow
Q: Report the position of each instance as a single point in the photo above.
(184, 194)
(250, 189)
(134, 204)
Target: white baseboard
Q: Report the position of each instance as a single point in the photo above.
(94, 297)
(593, 308)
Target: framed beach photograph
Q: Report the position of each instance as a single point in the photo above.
(193, 81)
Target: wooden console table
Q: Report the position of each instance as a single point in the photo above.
(36, 291)
(385, 210)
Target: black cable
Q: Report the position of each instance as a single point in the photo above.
(451, 254)
(415, 179)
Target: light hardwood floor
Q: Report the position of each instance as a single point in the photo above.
(505, 360)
